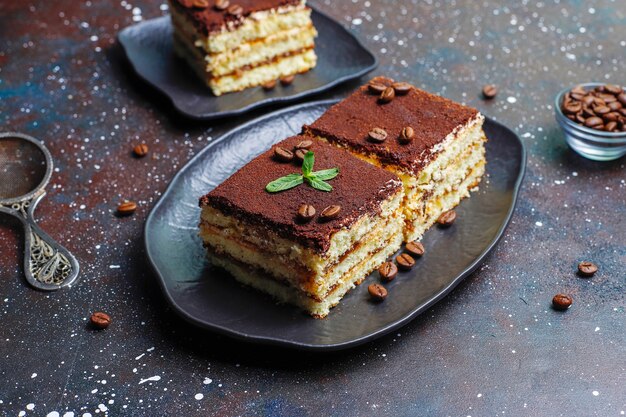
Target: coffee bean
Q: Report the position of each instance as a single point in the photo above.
(577, 97)
(287, 80)
(588, 111)
(376, 87)
(330, 213)
(378, 135)
(388, 271)
(377, 292)
(200, 4)
(270, 85)
(613, 89)
(306, 212)
(387, 95)
(587, 269)
(599, 89)
(561, 302)
(100, 320)
(601, 110)
(607, 98)
(622, 112)
(401, 89)
(235, 10)
(587, 100)
(405, 261)
(594, 122)
(616, 105)
(305, 144)
(140, 150)
(300, 154)
(622, 98)
(447, 218)
(221, 4)
(490, 91)
(572, 107)
(282, 155)
(406, 136)
(580, 118)
(579, 89)
(610, 126)
(414, 248)
(126, 208)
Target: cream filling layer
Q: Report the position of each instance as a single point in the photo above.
(287, 294)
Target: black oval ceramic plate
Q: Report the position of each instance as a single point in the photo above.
(148, 46)
(210, 298)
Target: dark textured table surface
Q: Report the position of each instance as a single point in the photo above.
(492, 347)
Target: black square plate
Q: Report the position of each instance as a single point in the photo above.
(211, 299)
(148, 46)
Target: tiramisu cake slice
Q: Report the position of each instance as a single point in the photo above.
(233, 45)
(436, 146)
(304, 232)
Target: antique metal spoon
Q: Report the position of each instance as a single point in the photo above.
(25, 169)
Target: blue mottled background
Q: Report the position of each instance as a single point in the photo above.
(492, 347)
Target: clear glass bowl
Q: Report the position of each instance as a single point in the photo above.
(590, 143)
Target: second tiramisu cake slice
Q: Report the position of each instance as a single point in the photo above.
(436, 146)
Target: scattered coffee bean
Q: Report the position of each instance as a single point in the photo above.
(235, 10)
(414, 248)
(270, 85)
(490, 91)
(283, 155)
(330, 213)
(406, 136)
(378, 135)
(388, 271)
(376, 87)
(306, 212)
(140, 150)
(387, 95)
(305, 144)
(447, 218)
(100, 320)
(587, 269)
(377, 292)
(300, 154)
(561, 302)
(405, 261)
(200, 4)
(287, 80)
(126, 208)
(401, 89)
(221, 4)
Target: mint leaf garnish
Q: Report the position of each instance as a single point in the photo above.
(307, 165)
(314, 179)
(319, 184)
(284, 183)
(325, 174)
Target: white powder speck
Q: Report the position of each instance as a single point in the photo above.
(30, 406)
(511, 99)
(597, 329)
(152, 378)
(198, 396)
(595, 393)
(52, 414)
(34, 375)
(139, 357)
(538, 224)
(207, 381)
(86, 415)
(479, 395)
(93, 391)
(357, 21)
(21, 413)
(102, 407)
(69, 414)
(150, 349)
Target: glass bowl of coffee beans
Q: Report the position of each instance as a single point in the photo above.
(593, 117)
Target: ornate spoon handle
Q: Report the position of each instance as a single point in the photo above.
(47, 264)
